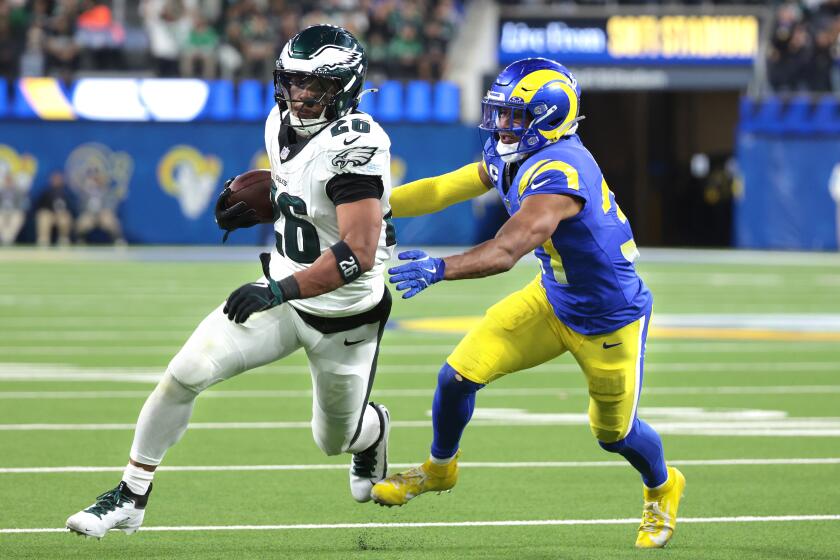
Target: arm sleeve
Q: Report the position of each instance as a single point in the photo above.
(427, 196)
(351, 187)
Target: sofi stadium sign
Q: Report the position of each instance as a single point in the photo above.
(646, 39)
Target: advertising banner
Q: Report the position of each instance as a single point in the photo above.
(166, 176)
(650, 40)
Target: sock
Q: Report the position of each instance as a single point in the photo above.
(163, 420)
(370, 432)
(452, 409)
(436, 461)
(643, 449)
(137, 479)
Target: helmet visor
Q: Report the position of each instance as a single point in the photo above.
(499, 116)
(305, 94)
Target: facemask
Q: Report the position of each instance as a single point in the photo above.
(307, 127)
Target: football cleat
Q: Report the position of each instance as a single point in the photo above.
(371, 465)
(659, 517)
(398, 489)
(115, 509)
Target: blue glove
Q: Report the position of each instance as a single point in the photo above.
(415, 276)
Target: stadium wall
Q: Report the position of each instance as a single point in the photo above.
(166, 175)
(788, 153)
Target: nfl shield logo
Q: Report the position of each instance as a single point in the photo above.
(284, 153)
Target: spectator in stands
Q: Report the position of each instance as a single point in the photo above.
(33, 62)
(377, 51)
(258, 50)
(200, 47)
(14, 202)
(803, 47)
(61, 48)
(99, 36)
(405, 51)
(432, 62)
(98, 204)
(9, 45)
(53, 210)
(230, 57)
(167, 24)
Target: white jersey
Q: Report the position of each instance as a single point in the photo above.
(307, 224)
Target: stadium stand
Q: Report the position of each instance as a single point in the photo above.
(213, 38)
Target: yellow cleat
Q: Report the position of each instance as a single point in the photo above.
(660, 514)
(398, 489)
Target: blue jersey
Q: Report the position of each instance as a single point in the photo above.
(587, 264)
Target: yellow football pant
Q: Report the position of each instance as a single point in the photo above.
(522, 331)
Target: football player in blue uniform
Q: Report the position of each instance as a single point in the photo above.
(587, 299)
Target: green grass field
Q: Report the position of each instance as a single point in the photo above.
(742, 379)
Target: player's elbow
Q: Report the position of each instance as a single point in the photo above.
(365, 254)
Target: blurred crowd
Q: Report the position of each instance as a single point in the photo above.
(57, 214)
(230, 39)
(804, 46)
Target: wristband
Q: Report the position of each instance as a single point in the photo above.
(348, 264)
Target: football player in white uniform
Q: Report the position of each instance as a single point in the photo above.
(322, 289)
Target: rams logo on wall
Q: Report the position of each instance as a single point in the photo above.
(190, 177)
(398, 169)
(16, 169)
(93, 168)
(260, 161)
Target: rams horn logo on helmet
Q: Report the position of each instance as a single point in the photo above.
(355, 156)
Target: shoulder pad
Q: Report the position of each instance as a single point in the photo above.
(354, 143)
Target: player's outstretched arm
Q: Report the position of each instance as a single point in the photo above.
(433, 194)
(529, 228)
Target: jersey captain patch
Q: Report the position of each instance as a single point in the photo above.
(354, 157)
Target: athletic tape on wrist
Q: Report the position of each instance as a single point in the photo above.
(348, 264)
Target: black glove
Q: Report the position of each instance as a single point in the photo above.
(250, 298)
(235, 217)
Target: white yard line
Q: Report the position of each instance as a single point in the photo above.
(560, 392)
(442, 524)
(466, 464)
(61, 372)
(781, 427)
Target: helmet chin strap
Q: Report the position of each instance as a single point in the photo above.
(508, 152)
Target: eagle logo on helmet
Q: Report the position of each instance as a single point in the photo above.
(331, 57)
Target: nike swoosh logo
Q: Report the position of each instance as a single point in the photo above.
(346, 143)
(541, 183)
(352, 342)
(608, 346)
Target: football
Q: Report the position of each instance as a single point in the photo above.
(254, 189)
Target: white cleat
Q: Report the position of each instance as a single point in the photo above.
(115, 509)
(371, 465)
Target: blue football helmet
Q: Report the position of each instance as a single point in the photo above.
(537, 100)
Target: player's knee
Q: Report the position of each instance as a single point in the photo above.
(450, 382)
(192, 370)
(612, 439)
(607, 435)
(173, 390)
